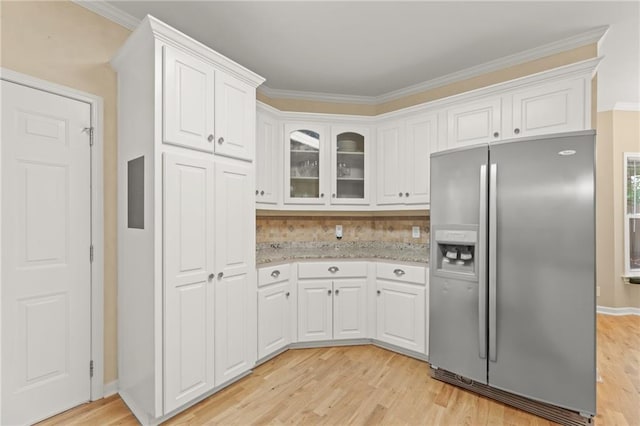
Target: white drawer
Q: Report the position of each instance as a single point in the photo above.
(403, 273)
(273, 274)
(332, 269)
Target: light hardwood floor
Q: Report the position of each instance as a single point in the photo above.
(369, 385)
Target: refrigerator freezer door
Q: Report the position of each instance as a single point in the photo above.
(457, 310)
(545, 271)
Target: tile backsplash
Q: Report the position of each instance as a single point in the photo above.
(278, 229)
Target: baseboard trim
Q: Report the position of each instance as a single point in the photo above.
(606, 310)
(110, 388)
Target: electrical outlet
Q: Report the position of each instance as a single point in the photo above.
(598, 291)
(338, 231)
(415, 232)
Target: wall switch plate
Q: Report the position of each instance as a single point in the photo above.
(415, 232)
(338, 231)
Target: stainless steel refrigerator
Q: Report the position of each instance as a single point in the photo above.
(512, 273)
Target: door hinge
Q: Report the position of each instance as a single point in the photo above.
(91, 253)
(91, 368)
(89, 131)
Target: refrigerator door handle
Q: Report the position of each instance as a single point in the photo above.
(493, 172)
(482, 272)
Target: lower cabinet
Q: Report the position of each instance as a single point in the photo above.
(401, 309)
(274, 318)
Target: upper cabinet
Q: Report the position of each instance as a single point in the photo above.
(235, 117)
(268, 159)
(474, 122)
(350, 151)
(305, 163)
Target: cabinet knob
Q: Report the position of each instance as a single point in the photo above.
(333, 269)
(378, 292)
(329, 292)
(398, 272)
(322, 195)
(220, 140)
(220, 275)
(287, 294)
(210, 138)
(496, 134)
(516, 130)
(261, 192)
(211, 277)
(337, 291)
(400, 194)
(406, 194)
(333, 195)
(257, 192)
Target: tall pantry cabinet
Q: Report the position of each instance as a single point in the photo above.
(186, 221)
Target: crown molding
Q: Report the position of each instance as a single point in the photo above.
(582, 39)
(110, 12)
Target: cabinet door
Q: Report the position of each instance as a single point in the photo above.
(472, 123)
(274, 318)
(188, 102)
(349, 309)
(235, 118)
(268, 160)
(188, 293)
(235, 324)
(305, 164)
(552, 108)
(350, 151)
(390, 170)
(401, 315)
(315, 319)
(422, 140)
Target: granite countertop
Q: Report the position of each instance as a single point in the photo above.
(292, 251)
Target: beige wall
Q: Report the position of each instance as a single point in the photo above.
(66, 44)
(618, 132)
(510, 73)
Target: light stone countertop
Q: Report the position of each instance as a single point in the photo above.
(273, 253)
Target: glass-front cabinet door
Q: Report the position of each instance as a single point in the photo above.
(304, 163)
(350, 149)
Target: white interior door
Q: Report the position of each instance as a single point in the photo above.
(46, 281)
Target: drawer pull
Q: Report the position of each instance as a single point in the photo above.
(398, 272)
(333, 269)
(275, 274)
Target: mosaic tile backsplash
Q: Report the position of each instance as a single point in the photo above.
(391, 229)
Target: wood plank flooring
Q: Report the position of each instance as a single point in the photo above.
(368, 385)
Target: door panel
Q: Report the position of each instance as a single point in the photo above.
(455, 338)
(274, 318)
(349, 309)
(315, 310)
(268, 161)
(545, 289)
(188, 104)
(422, 140)
(390, 170)
(188, 296)
(235, 118)
(45, 256)
(401, 315)
(474, 123)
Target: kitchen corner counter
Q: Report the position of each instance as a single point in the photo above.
(270, 253)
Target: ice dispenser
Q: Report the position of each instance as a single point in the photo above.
(456, 250)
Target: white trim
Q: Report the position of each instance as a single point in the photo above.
(605, 310)
(573, 42)
(110, 388)
(628, 272)
(97, 214)
(112, 13)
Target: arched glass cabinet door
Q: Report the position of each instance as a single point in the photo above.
(304, 164)
(349, 167)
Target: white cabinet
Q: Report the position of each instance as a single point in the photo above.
(188, 100)
(182, 331)
(235, 117)
(332, 301)
(275, 309)
(350, 153)
(305, 164)
(550, 108)
(268, 159)
(189, 295)
(235, 305)
(474, 122)
(404, 149)
(401, 306)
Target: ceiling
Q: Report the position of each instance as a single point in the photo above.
(370, 49)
